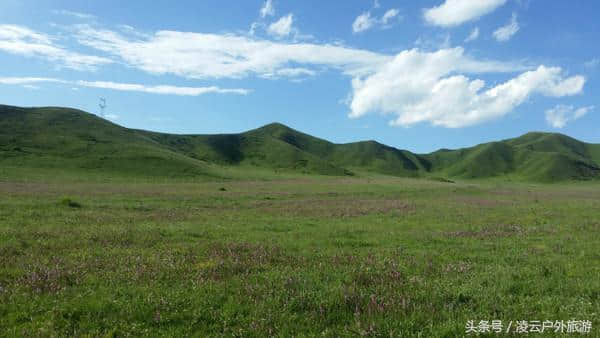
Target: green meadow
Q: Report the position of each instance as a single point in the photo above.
(293, 256)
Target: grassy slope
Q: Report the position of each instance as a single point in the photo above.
(533, 156)
(364, 156)
(68, 138)
(278, 146)
(594, 150)
(71, 139)
(247, 150)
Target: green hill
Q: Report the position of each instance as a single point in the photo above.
(273, 146)
(63, 138)
(533, 156)
(279, 147)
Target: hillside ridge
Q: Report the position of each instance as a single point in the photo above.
(54, 136)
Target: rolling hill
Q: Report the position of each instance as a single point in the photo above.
(64, 138)
(533, 157)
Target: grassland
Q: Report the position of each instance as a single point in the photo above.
(291, 256)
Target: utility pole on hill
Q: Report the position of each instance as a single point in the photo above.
(102, 106)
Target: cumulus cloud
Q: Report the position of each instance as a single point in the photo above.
(559, 116)
(420, 87)
(161, 89)
(506, 32)
(456, 12)
(389, 15)
(414, 86)
(20, 40)
(267, 9)
(279, 29)
(473, 35)
(282, 27)
(365, 21)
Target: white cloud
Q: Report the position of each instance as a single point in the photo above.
(78, 15)
(27, 80)
(389, 14)
(473, 35)
(292, 72)
(414, 86)
(130, 30)
(161, 89)
(296, 72)
(376, 4)
(456, 12)
(506, 32)
(267, 9)
(112, 116)
(363, 22)
(559, 116)
(429, 87)
(254, 26)
(23, 41)
(282, 27)
(200, 56)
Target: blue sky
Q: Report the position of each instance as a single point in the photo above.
(417, 75)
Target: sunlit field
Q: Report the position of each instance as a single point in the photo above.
(301, 256)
